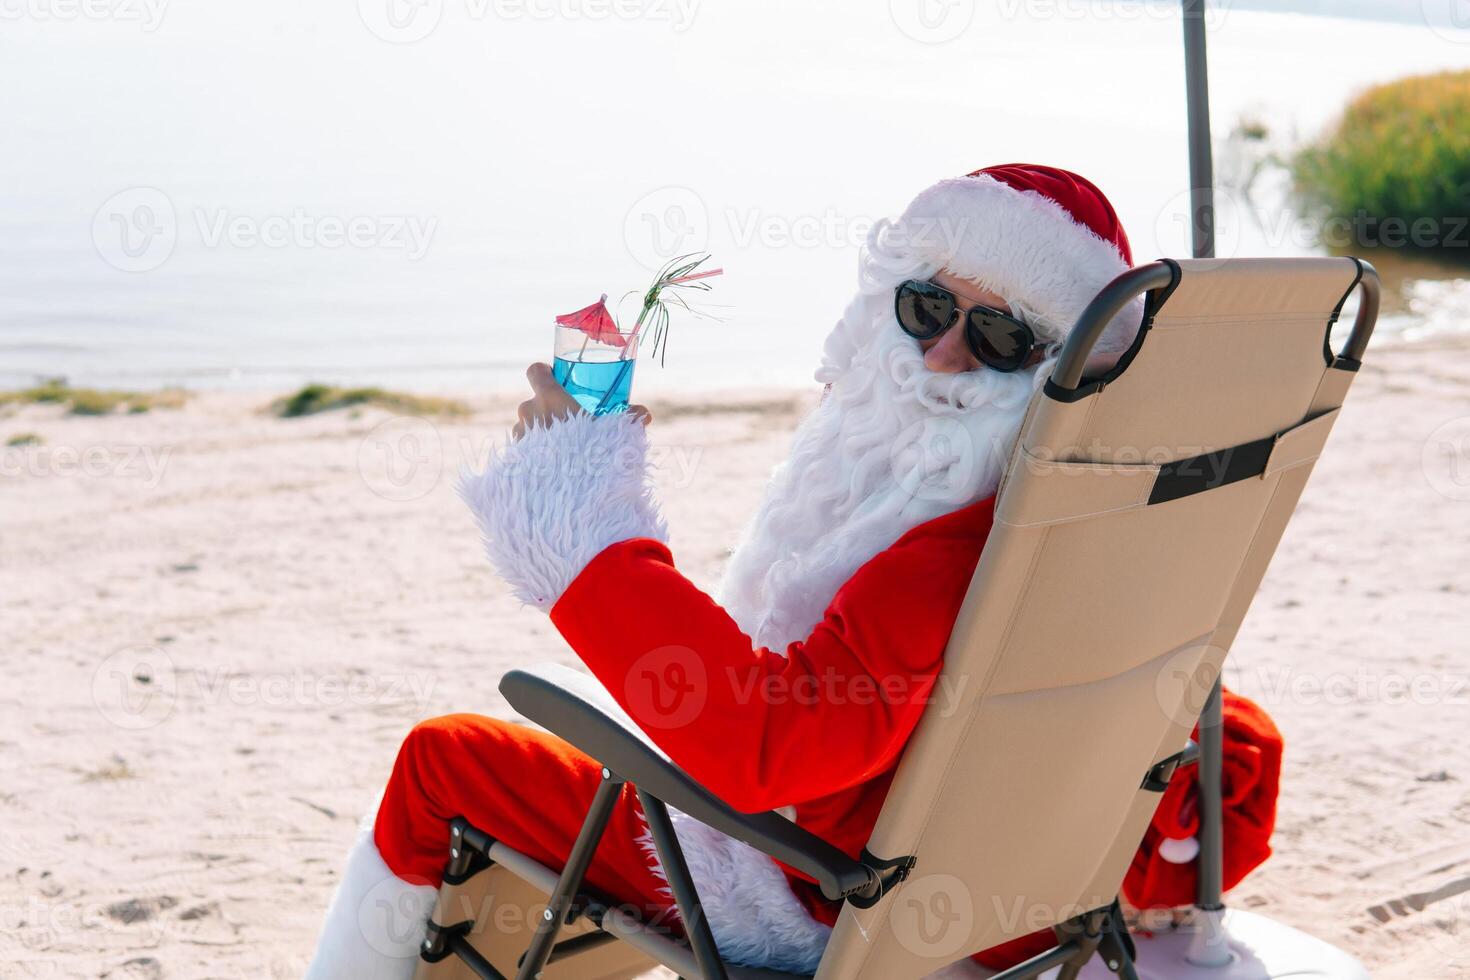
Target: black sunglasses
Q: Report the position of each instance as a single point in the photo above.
(998, 340)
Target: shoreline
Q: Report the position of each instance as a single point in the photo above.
(1410, 331)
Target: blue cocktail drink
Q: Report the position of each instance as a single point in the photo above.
(594, 357)
(599, 387)
(594, 360)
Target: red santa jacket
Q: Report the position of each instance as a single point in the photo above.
(818, 726)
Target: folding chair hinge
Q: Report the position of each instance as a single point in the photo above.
(887, 874)
(1116, 948)
(1156, 780)
(436, 945)
(584, 906)
(468, 852)
(1104, 933)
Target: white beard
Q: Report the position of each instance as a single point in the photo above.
(892, 445)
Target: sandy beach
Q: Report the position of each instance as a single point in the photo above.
(219, 624)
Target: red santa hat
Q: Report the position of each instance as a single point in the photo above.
(1046, 239)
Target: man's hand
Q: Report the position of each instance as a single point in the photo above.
(549, 402)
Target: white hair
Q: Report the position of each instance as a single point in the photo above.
(892, 445)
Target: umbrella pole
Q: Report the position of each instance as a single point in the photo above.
(1201, 164)
(1209, 947)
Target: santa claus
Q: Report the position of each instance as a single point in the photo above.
(819, 651)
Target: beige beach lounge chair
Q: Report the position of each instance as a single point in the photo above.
(1133, 526)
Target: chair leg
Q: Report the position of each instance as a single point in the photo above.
(1103, 933)
(1115, 945)
(560, 900)
(1086, 947)
(686, 896)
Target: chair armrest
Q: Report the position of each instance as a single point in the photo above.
(576, 707)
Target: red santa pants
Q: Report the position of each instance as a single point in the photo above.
(525, 788)
(530, 791)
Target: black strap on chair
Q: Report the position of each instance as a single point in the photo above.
(1210, 470)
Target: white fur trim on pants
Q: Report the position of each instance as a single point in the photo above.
(376, 920)
(754, 916)
(550, 502)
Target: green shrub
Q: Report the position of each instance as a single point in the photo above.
(91, 401)
(314, 398)
(1395, 169)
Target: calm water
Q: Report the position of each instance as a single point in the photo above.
(259, 195)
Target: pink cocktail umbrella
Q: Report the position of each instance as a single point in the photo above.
(596, 322)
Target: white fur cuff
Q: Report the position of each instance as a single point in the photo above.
(550, 502)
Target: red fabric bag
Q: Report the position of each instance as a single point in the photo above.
(1249, 786)
(1250, 782)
